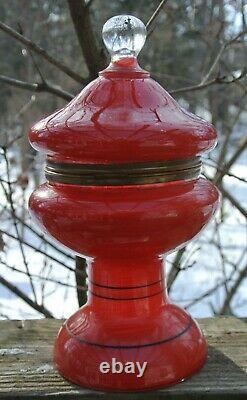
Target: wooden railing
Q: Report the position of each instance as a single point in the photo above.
(27, 372)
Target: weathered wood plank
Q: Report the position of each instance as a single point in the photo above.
(26, 369)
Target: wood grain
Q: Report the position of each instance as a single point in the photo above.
(26, 368)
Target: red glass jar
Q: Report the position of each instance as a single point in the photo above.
(124, 189)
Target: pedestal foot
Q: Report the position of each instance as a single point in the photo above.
(138, 353)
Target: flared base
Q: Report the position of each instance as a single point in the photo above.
(147, 352)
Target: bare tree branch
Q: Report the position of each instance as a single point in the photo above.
(226, 80)
(81, 275)
(9, 197)
(94, 56)
(175, 268)
(205, 82)
(206, 294)
(221, 51)
(39, 251)
(233, 159)
(229, 129)
(89, 3)
(44, 240)
(214, 64)
(43, 278)
(216, 166)
(233, 290)
(154, 16)
(19, 293)
(234, 202)
(37, 87)
(39, 50)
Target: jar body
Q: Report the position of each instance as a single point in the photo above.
(113, 221)
(128, 316)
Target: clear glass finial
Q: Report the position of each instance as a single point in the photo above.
(124, 36)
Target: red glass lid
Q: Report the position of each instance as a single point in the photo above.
(123, 116)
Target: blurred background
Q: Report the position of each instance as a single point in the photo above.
(49, 50)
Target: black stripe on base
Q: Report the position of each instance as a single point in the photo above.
(126, 298)
(136, 346)
(125, 287)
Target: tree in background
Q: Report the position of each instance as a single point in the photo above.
(49, 51)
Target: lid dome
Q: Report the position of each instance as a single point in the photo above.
(123, 116)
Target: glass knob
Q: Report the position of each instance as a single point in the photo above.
(124, 36)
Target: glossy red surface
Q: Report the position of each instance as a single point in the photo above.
(124, 116)
(166, 338)
(112, 221)
(128, 316)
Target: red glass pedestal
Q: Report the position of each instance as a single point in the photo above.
(128, 316)
(133, 323)
(124, 189)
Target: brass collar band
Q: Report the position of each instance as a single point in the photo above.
(123, 174)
